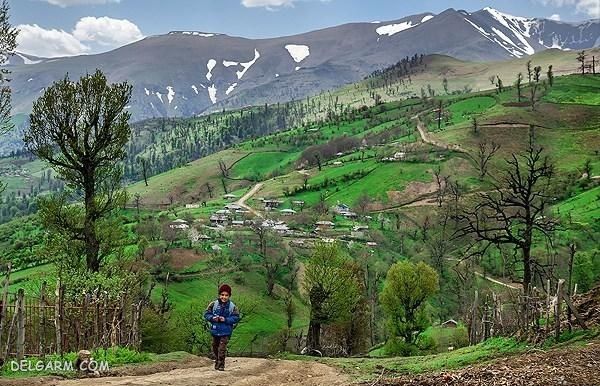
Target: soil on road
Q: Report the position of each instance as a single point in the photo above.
(239, 371)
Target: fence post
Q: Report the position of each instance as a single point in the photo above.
(84, 318)
(20, 323)
(558, 309)
(4, 304)
(42, 319)
(473, 332)
(10, 331)
(58, 316)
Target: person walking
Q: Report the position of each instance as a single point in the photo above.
(223, 316)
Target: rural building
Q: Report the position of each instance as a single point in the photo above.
(179, 224)
(219, 220)
(192, 206)
(287, 212)
(451, 323)
(341, 208)
(230, 196)
(324, 225)
(271, 204)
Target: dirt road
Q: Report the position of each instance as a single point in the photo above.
(239, 371)
(242, 201)
(425, 137)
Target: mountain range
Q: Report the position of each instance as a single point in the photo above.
(186, 73)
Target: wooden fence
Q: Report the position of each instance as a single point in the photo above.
(51, 324)
(535, 317)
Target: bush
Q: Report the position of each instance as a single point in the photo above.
(398, 347)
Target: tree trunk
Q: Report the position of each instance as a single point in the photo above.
(314, 336)
(526, 269)
(92, 245)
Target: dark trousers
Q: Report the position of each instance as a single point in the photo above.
(219, 347)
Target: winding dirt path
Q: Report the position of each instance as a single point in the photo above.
(242, 201)
(238, 372)
(426, 137)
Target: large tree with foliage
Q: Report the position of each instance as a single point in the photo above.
(80, 129)
(407, 288)
(8, 43)
(332, 287)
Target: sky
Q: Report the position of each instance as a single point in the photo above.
(52, 28)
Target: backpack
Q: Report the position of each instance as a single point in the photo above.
(231, 308)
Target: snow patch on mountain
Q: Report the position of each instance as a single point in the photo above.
(212, 93)
(247, 65)
(147, 91)
(519, 26)
(298, 52)
(478, 28)
(392, 29)
(30, 79)
(297, 68)
(230, 88)
(159, 95)
(210, 65)
(26, 60)
(229, 63)
(195, 89)
(428, 17)
(171, 93)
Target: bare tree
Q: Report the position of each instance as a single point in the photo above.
(144, 170)
(536, 76)
(529, 72)
(581, 59)
(519, 85)
(209, 189)
(485, 152)
(223, 168)
(137, 200)
(272, 253)
(515, 210)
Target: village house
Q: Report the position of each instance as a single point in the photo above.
(451, 323)
(230, 196)
(179, 224)
(233, 207)
(340, 208)
(287, 212)
(192, 206)
(324, 225)
(271, 203)
(219, 220)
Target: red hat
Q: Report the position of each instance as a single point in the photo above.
(225, 288)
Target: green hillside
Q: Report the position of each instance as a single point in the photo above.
(369, 157)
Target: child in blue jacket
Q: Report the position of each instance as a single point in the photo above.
(222, 315)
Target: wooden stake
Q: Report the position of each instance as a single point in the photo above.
(558, 309)
(4, 304)
(20, 312)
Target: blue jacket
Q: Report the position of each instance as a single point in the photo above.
(228, 310)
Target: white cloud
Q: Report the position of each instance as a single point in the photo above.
(555, 17)
(272, 4)
(90, 35)
(106, 31)
(38, 41)
(588, 7)
(68, 3)
(267, 3)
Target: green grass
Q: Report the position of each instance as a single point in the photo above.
(257, 166)
(464, 110)
(583, 208)
(268, 318)
(369, 368)
(575, 89)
